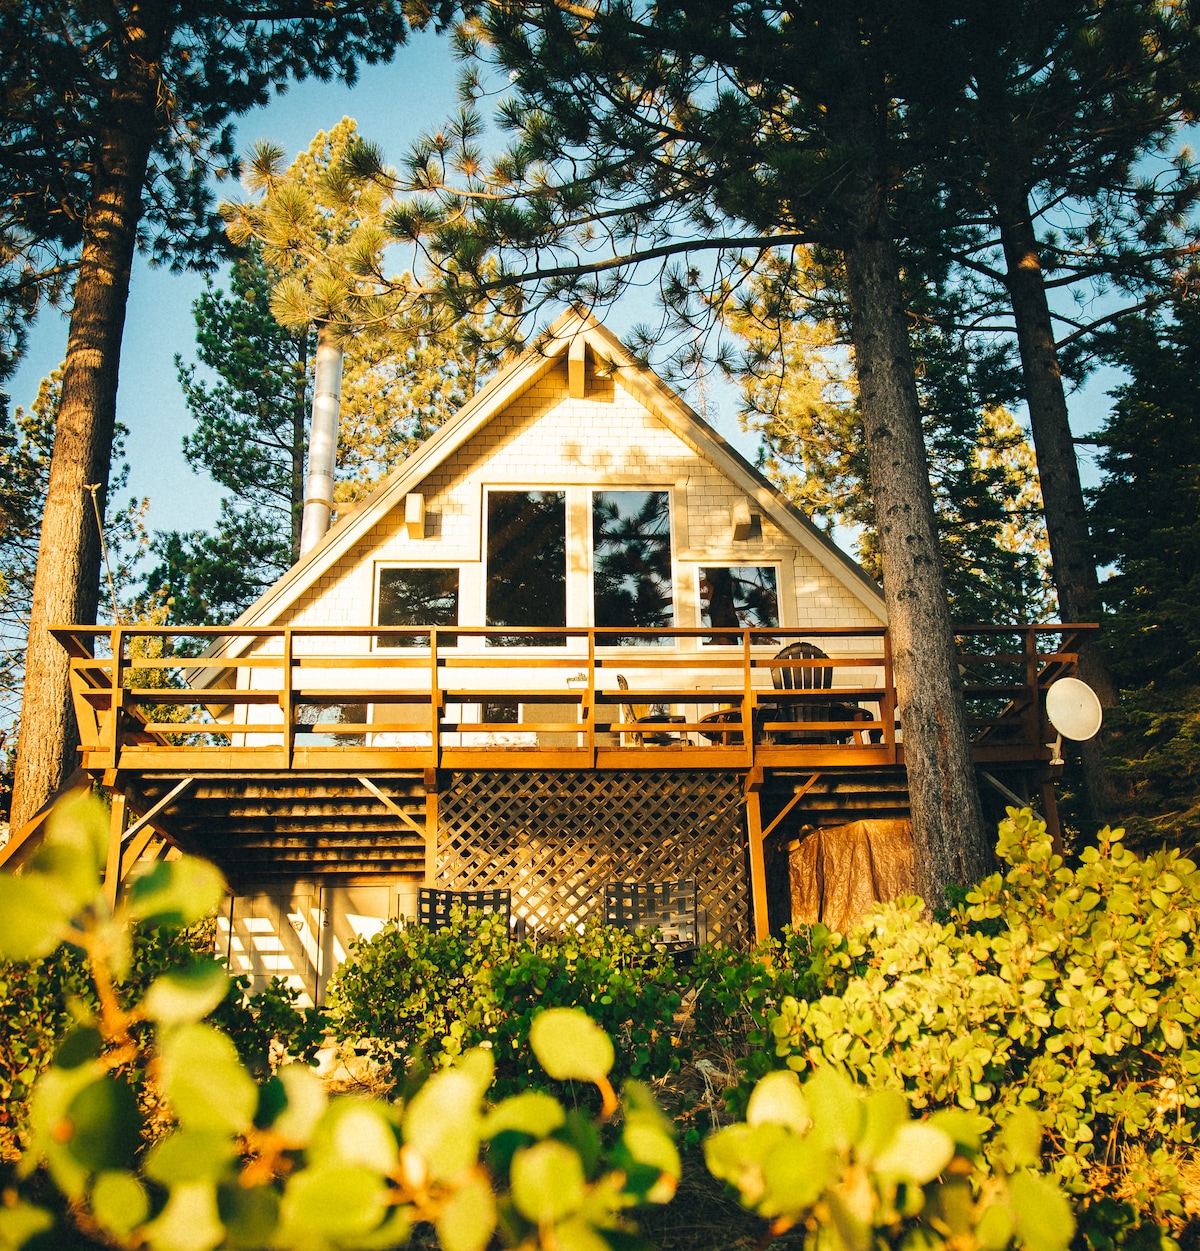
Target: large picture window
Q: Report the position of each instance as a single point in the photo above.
(417, 597)
(738, 596)
(527, 564)
(631, 562)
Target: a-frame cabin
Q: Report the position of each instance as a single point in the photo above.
(543, 654)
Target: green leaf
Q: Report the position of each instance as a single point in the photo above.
(1043, 1215)
(778, 1100)
(995, 1228)
(794, 1176)
(332, 1203)
(102, 1126)
(468, 1221)
(52, 1130)
(966, 1128)
(357, 1134)
(189, 1222)
(249, 1216)
(835, 1108)
(570, 1046)
(737, 1153)
(191, 1155)
(305, 1102)
(547, 1182)
(79, 1046)
(20, 1223)
(442, 1123)
(79, 824)
(35, 919)
(917, 1153)
(185, 995)
(1021, 1139)
(884, 1113)
(176, 892)
(531, 1112)
(119, 1202)
(204, 1080)
(576, 1234)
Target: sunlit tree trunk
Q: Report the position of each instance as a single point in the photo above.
(66, 586)
(1075, 577)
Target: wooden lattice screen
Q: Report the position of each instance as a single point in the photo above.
(554, 839)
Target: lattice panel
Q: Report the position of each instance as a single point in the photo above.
(554, 839)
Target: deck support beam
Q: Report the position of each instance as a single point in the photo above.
(116, 833)
(432, 788)
(758, 866)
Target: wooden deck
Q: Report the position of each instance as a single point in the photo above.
(337, 755)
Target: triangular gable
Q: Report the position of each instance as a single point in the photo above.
(507, 386)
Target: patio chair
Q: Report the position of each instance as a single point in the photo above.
(433, 905)
(803, 677)
(669, 907)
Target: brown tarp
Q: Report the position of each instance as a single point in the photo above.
(836, 874)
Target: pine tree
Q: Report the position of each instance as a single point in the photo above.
(307, 235)
(26, 443)
(707, 128)
(115, 116)
(1145, 518)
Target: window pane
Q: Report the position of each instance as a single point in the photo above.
(738, 596)
(631, 568)
(412, 597)
(316, 713)
(527, 564)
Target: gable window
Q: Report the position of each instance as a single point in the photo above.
(527, 564)
(738, 596)
(631, 562)
(424, 596)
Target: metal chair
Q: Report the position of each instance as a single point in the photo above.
(433, 905)
(669, 907)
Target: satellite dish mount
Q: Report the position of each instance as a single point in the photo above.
(1073, 709)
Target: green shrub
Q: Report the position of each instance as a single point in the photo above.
(1073, 992)
(44, 999)
(410, 995)
(237, 1163)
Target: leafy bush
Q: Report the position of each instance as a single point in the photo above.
(857, 1173)
(410, 995)
(44, 999)
(243, 1164)
(1073, 992)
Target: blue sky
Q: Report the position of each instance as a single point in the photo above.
(392, 104)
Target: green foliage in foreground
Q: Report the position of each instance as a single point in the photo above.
(410, 995)
(44, 1000)
(227, 1161)
(1072, 992)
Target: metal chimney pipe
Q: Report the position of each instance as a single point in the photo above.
(322, 440)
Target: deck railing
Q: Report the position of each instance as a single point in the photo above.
(354, 698)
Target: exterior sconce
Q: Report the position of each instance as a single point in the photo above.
(414, 515)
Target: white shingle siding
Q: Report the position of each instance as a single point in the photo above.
(544, 439)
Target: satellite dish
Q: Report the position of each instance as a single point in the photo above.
(1073, 709)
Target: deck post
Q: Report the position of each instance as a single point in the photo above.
(116, 830)
(1050, 809)
(432, 784)
(758, 867)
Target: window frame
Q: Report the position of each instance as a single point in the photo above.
(639, 488)
(383, 566)
(726, 563)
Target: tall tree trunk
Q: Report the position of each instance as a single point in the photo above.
(66, 585)
(1074, 568)
(950, 842)
(949, 839)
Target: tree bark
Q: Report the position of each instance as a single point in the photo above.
(66, 584)
(950, 843)
(1075, 577)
